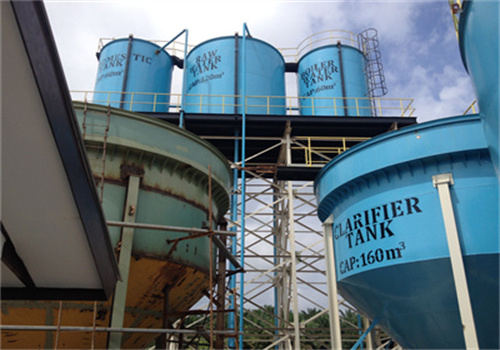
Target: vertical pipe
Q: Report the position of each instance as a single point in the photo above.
(243, 189)
(342, 78)
(331, 279)
(162, 341)
(276, 261)
(211, 269)
(125, 74)
(221, 290)
(234, 217)
(369, 338)
(293, 268)
(184, 77)
(236, 71)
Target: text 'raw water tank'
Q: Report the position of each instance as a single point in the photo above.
(138, 71)
(214, 82)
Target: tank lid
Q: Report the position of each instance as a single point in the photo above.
(133, 39)
(327, 47)
(232, 38)
(426, 140)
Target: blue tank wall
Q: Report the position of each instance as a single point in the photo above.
(211, 70)
(391, 252)
(148, 72)
(479, 45)
(320, 82)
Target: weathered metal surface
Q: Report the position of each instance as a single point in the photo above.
(144, 309)
(173, 165)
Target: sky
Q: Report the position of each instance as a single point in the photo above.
(420, 53)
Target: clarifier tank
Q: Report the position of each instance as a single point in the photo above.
(479, 29)
(392, 257)
(391, 252)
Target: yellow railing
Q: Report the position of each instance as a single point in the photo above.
(315, 106)
(472, 108)
(456, 8)
(327, 37)
(319, 150)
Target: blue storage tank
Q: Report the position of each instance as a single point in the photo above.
(332, 81)
(215, 77)
(479, 45)
(138, 71)
(391, 252)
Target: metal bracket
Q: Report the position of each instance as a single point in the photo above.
(120, 296)
(331, 277)
(443, 182)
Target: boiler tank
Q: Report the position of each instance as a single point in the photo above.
(332, 82)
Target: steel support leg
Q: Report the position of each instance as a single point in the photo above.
(293, 268)
(443, 182)
(120, 296)
(331, 278)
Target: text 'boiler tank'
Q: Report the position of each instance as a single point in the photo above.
(214, 79)
(138, 72)
(332, 82)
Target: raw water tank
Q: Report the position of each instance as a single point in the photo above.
(214, 82)
(172, 169)
(332, 81)
(138, 71)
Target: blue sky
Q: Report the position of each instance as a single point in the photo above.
(419, 48)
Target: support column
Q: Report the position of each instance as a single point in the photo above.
(369, 338)
(162, 341)
(443, 182)
(331, 279)
(293, 268)
(221, 292)
(120, 296)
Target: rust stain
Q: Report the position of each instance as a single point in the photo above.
(144, 307)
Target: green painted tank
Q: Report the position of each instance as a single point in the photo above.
(173, 167)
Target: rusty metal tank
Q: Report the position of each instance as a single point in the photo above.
(171, 167)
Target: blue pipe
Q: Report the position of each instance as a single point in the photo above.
(184, 78)
(363, 336)
(243, 189)
(181, 117)
(171, 41)
(234, 216)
